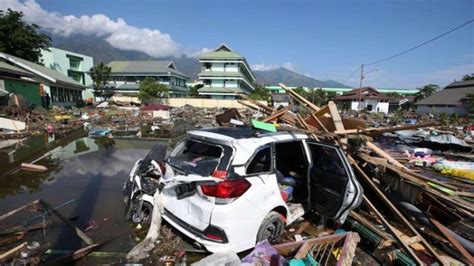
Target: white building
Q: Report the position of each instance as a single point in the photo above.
(75, 66)
(225, 74)
(366, 98)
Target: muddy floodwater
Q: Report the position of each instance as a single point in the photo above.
(84, 178)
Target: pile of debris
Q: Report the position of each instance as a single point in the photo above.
(406, 217)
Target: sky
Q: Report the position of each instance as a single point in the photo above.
(320, 39)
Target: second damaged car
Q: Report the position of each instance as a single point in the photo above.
(229, 188)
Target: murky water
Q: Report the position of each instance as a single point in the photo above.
(87, 175)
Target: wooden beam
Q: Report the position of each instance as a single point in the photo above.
(385, 155)
(389, 227)
(381, 195)
(319, 122)
(299, 98)
(78, 231)
(335, 116)
(10, 253)
(24, 207)
(469, 259)
(276, 114)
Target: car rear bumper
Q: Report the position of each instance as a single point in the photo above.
(195, 234)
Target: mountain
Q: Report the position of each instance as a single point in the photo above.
(102, 51)
(290, 78)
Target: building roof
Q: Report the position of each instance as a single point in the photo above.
(222, 52)
(47, 73)
(11, 69)
(136, 87)
(361, 93)
(453, 94)
(145, 67)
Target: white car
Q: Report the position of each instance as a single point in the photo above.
(238, 186)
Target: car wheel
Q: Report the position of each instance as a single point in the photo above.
(143, 216)
(271, 228)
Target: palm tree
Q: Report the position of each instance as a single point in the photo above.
(426, 91)
(100, 75)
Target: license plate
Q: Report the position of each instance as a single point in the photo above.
(185, 190)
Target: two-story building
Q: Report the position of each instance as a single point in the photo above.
(126, 77)
(75, 66)
(225, 74)
(59, 88)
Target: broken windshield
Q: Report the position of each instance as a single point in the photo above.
(197, 157)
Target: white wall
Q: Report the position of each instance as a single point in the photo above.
(376, 106)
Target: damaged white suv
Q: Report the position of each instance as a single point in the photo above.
(237, 186)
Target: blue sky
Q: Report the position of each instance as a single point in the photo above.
(323, 39)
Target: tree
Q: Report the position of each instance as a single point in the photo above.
(260, 93)
(426, 91)
(194, 90)
(100, 75)
(21, 39)
(468, 77)
(150, 89)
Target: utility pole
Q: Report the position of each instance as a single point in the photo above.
(360, 85)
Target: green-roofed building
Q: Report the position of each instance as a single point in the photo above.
(340, 91)
(126, 77)
(225, 74)
(59, 88)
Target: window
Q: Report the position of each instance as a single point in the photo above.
(207, 65)
(261, 162)
(327, 159)
(197, 157)
(74, 63)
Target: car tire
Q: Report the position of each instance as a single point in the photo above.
(271, 228)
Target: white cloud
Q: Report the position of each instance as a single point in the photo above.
(265, 67)
(117, 32)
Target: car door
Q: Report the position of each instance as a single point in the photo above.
(334, 189)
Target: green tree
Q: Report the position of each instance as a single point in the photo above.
(443, 119)
(194, 90)
(100, 75)
(21, 39)
(454, 118)
(470, 105)
(426, 91)
(468, 77)
(260, 93)
(150, 89)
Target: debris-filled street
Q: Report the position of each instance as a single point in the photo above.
(64, 186)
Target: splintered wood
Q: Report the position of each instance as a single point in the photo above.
(326, 124)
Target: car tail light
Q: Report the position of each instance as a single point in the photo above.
(226, 189)
(215, 234)
(219, 174)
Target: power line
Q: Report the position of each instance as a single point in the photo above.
(419, 45)
(355, 71)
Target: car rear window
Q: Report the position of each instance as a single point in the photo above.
(195, 157)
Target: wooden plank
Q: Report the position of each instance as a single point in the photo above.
(389, 227)
(19, 209)
(276, 114)
(395, 210)
(33, 167)
(335, 116)
(303, 250)
(299, 98)
(78, 231)
(319, 122)
(306, 126)
(467, 256)
(324, 110)
(385, 155)
(10, 253)
(369, 225)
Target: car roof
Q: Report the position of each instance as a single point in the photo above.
(240, 132)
